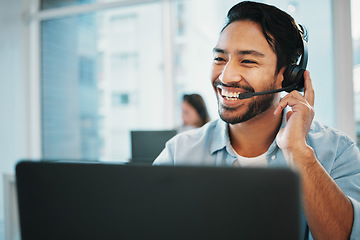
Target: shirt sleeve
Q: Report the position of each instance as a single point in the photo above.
(165, 157)
(346, 173)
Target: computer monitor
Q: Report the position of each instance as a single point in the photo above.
(147, 145)
(133, 202)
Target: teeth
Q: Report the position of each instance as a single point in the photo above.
(229, 95)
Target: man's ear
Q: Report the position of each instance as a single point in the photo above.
(280, 77)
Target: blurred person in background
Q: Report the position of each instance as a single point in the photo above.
(194, 112)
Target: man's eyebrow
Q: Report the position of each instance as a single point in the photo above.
(251, 52)
(241, 52)
(219, 50)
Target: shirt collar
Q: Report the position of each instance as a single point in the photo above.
(221, 137)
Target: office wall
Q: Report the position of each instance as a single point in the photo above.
(13, 40)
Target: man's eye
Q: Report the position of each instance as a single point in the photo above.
(249, 61)
(219, 59)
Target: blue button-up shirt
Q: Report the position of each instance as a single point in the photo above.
(210, 145)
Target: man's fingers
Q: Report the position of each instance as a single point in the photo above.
(309, 93)
(293, 99)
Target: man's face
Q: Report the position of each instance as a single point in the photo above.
(244, 62)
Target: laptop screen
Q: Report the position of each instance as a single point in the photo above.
(147, 145)
(109, 201)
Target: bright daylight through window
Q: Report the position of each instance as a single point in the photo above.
(101, 76)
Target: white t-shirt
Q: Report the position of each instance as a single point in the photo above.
(259, 161)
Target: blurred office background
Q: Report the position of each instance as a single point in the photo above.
(77, 75)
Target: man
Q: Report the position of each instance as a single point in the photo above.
(256, 46)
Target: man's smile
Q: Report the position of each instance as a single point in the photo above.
(230, 93)
(232, 96)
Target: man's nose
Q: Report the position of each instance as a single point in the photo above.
(231, 72)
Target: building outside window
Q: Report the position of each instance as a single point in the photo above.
(102, 75)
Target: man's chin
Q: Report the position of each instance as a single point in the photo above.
(235, 119)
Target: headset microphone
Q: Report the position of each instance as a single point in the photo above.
(293, 77)
(252, 94)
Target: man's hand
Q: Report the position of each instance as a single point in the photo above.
(292, 138)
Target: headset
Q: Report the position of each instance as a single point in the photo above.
(293, 77)
(294, 74)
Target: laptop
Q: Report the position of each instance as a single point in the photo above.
(147, 145)
(133, 202)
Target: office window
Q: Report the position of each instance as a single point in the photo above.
(103, 72)
(102, 76)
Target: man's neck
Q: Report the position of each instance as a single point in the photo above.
(254, 137)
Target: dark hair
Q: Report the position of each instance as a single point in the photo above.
(280, 30)
(197, 102)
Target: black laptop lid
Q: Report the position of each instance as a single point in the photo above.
(108, 201)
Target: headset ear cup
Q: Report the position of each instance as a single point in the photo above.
(300, 79)
(288, 81)
(294, 76)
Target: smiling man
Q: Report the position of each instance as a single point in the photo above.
(257, 47)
